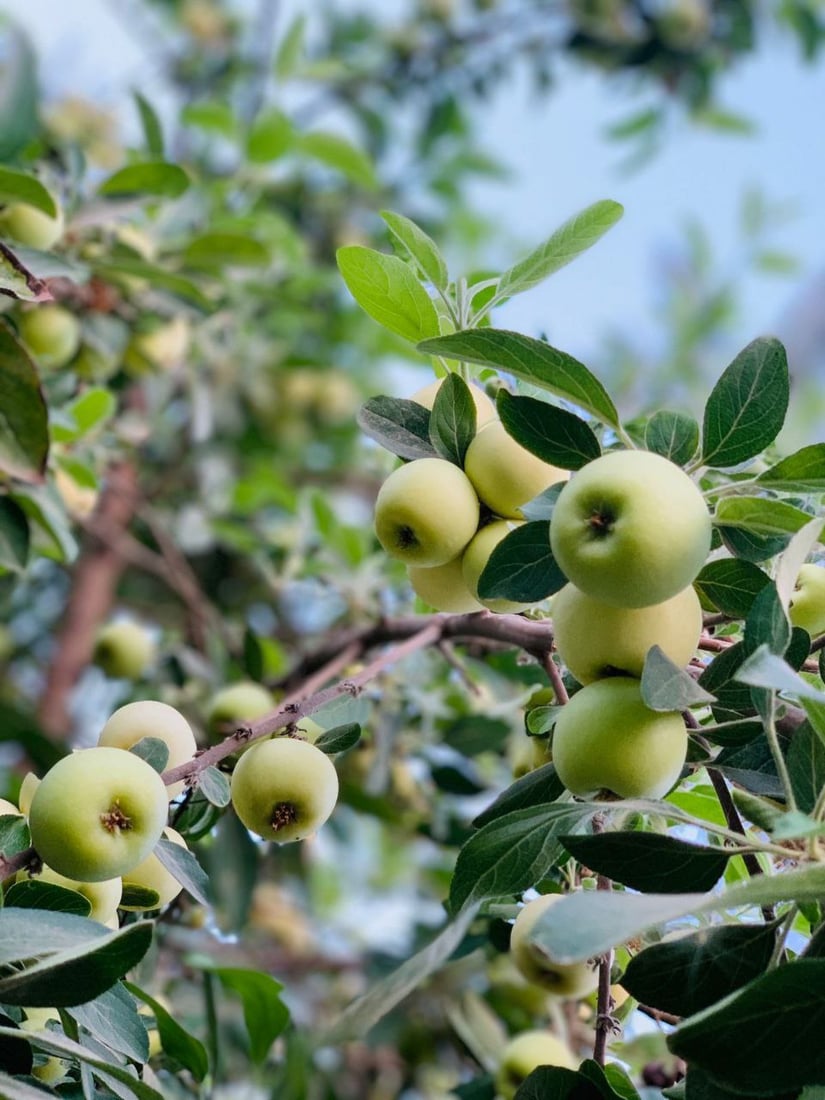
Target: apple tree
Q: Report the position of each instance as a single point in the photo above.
(469, 743)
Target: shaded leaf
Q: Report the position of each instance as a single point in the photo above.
(536, 788)
(730, 585)
(453, 419)
(24, 429)
(801, 472)
(183, 866)
(34, 894)
(650, 862)
(14, 536)
(552, 434)
(20, 187)
(339, 738)
(113, 1019)
(806, 766)
(522, 567)
(213, 784)
(17, 279)
(154, 177)
(177, 1043)
(222, 250)
(386, 288)
(402, 427)
(667, 687)
(152, 129)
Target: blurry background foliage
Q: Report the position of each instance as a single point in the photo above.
(209, 411)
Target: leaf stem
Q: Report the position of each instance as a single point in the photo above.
(778, 758)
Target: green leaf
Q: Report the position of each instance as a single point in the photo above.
(760, 515)
(730, 585)
(650, 862)
(784, 1010)
(522, 566)
(747, 405)
(24, 421)
(402, 427)
(336, 152)
(211, 115)
(801, 472)
(749, 547)
(18, 91)
(156, 177)
(182, 865)
(154, 751)
(177, 1043)
(138, 897)
(588, 923)
(27, 934)
(569, 241)
(34, 894)
(534, 789)
(767, 623)
(806, 766)
(222, 250)
(511, 853)
(339, 738)
(76, 974)
(44, 507)
(170, 281)
(542, 506)
(113, 1019)
(13, 1088)
(666, 687)
(14, 833)
(688, 974)
(557, 1083)
(386, 288)
(265, 1014)
(14, 536)
(673, 435)
(421, 248)
(453, 419)
(88, 411)
(552, 434)
(152, 129)
(291, 48)
(17, 280)
(271, 136)
(20, 187)
(213, 784)
(766, 669)
(532, 361)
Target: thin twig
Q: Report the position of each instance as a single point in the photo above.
(554, 676)
(605, 1021)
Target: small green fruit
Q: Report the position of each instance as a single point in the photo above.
(443, 587)
(527, 1052)
(97, 813)
(149, 718)
(807, 608)
(426, 512)
(606, 739)
(124, 650)
(284, 789)
(152, 875)
(563, 979)
(31, 227)
(504, 474)
(475, 560)
(238, 704)
(51, 334)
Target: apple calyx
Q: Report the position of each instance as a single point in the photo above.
(601, 522)
(283, 814)
(405, 538)
(115, 820)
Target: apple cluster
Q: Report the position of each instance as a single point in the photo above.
(444, 522)
(630, 531)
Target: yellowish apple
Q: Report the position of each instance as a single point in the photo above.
(597, 639)
(807, 608)
(504, 474)
(125, 649)
(238, 704)
(475, 560)
(571, 980)
(443, 587)
(31, 227)
(152, 875)
(526, 1052)
(49, 1068)
(150, 718)
(51, 334)
(485, 408)
(104, 897)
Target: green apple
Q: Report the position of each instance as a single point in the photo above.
(606, 739)
(284, 789)
(31, 227)
(104, 897)
(526, 1052)
(572, 980)
(97, 813)
(443, 587)
(485, 408)
(504, 474)
(426, 512)
(807, 608)
(476, 557)
(238, 704)
(124, 649)
(27, 788)
(151, 874)
(631, 529)
(597, 639)
(149, 718)
(51, 334)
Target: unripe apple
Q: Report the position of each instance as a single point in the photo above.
(606, 739)
(51, 334)
(426, 512)
(53, 1068)
(124, 649)
(104, 897)
(97, 813)
(443, 587)
(597, 639)
(527, 1052)
(152, 875)
(164, 347)
(630, 528)
(31, 227)
(27, 788)
(563, 979)
(149, 718)
(504, 474)
(485, 408)
(238, 704)
(284, 789)
(807, 608)
(476, 557)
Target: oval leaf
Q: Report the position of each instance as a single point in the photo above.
(402, 427)
(24, 421)
(760, 516)
(183, 866)
(552, 434)
(177, 1043)
(666, 687)
(386, 288)
(522, 566)
(801, 472)
(421, 248)
(730, 585)
(673, 435)
(453, 419)
(650, 862)
(156, 177)
(339, 738)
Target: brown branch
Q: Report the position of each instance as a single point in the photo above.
(659, 1016)
(605, 1021)
(554, 676)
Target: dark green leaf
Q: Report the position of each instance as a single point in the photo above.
(222, 250)
(182, 865)
(402, 427)
(552, 434)
(801, 472)
(14, 536)
(733, 733)
(19, 187)
(138, 897)
(557, 1083)
(522, 566)
(157, 177)
(806, 765)
(34, 894)
(673, 435)
(650, 862)
(113, 1019)
(265, 1014)
(730, 585)
(14, 834)
(569, 241)
(453, 419)
(420, 247)
(760, 516)
(213, 784)
(152, 130)
(532, 361)
(767, 622)
(177, 1043)
(387, 289)
(759, 811)
(154, 751)
(24, 427)
(747, 405)
(666, 687)
(784, 1010)
(690, 973)
(541, 507)
(511, 853)
(18, 91)
(537, 788)
(339, 738)
(750, 547)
